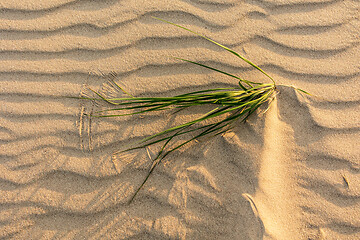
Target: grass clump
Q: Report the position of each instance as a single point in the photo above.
(229, 105)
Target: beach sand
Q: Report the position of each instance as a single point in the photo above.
(290, 173)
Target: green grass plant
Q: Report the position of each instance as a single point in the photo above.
(230, 105)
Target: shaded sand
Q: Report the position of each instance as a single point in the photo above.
(291, 173)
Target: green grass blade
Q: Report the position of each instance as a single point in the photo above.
(220, 45)
(303, 91)
(217, 70)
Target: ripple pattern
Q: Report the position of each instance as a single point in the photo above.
(60, 178)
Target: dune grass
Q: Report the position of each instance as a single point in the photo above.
(230, 105)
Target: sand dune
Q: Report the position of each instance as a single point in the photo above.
(292, 173)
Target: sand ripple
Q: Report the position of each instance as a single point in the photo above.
(290, 174)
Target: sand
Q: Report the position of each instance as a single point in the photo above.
(291, 173)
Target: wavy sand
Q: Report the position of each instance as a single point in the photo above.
(291, 174)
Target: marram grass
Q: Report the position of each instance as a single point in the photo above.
(233, 104)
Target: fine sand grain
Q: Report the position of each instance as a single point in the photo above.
(291, 173)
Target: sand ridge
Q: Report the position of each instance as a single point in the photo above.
(291, 173)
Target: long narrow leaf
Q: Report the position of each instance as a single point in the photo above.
(220, 45)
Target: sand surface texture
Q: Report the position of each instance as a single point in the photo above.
(291, 173)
